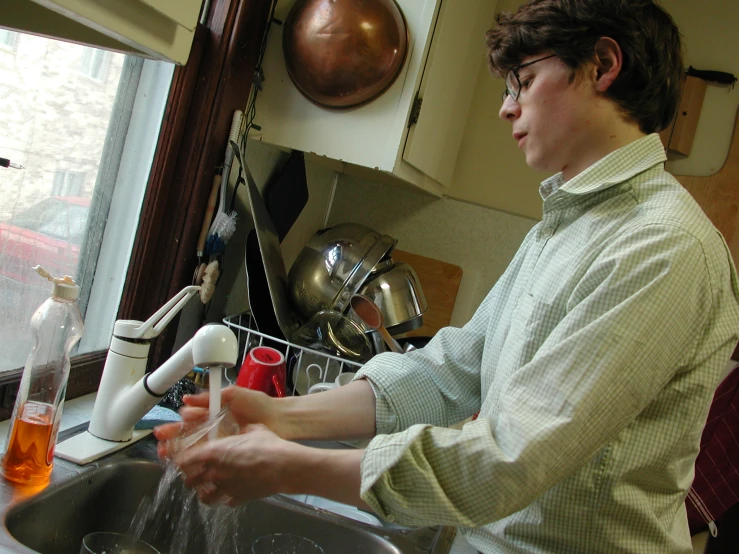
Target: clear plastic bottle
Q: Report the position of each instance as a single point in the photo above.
(56, 326)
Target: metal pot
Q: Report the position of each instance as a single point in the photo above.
(398, 293)
(333, 266)
(342, 53)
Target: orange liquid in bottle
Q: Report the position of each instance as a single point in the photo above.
(28, 458)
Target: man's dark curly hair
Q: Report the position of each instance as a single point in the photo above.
(648, 87)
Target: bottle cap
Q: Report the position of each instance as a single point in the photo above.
(62, 287)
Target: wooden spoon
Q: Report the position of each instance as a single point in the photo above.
(371, 315)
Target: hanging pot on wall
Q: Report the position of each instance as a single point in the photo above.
(344, 53)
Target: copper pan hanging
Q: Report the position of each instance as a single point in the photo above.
(344, 53)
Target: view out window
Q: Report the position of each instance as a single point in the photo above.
(94, 63)
(8, 39)
(79, 220)
(67, 183)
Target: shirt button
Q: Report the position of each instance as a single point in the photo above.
(547, 232)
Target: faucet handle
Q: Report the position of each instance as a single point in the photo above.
(132, 329)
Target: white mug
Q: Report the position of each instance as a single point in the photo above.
(340, 381)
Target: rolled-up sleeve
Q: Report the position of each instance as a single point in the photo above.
(437, 385)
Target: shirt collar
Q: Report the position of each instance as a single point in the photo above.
(617, 167)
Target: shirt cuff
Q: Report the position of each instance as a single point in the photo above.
(382, 453)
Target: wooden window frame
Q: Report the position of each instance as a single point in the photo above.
(203, 96)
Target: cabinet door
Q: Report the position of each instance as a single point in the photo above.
(447, 87)
(161, 29)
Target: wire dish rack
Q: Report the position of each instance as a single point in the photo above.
(305, 366)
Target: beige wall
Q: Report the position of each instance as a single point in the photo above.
(491, 170)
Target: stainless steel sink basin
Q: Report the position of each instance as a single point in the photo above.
(106, 496)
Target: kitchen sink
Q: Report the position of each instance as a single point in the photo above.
(113, 494)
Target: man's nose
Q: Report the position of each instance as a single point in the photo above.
(510, 109)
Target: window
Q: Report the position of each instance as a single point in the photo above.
(67, 183)
(8, 40)
(94, 63)
(80, 220)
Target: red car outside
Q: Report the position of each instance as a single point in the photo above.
(49, 233)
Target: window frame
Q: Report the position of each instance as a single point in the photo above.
(203, 96)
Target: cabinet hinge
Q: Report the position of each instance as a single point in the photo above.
(415, 111)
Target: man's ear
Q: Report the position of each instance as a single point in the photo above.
(608, 62)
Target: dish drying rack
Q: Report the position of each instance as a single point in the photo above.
(299, 359)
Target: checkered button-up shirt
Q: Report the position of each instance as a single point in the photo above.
(592, 362)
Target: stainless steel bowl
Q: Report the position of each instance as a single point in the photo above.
(398, 293)
(333, 266)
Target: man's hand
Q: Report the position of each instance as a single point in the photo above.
(239, 468)
(258, 463)
(247, 407)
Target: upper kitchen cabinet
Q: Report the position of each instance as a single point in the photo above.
(159, 29)
(409, 134)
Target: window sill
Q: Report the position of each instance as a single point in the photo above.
(84, 378)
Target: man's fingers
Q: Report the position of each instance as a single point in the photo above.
(168, 431)
(198, 400)
(228, 394)
(193, 414)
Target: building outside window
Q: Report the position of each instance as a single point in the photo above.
(94, 63)
(67, 183)
(86, 152)
(8, 39)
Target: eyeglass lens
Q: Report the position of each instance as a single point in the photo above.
(513, 82)
(512, 85)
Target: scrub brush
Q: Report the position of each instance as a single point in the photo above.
(209, 278)
(212, 241)
(224, 224)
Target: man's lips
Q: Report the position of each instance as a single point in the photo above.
(518, 137)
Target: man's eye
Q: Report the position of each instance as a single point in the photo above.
(526, 83)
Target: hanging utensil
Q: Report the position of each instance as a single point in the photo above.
(371, 315)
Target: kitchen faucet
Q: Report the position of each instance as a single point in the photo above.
(127, 392)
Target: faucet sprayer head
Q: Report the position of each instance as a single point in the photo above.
(215, 345)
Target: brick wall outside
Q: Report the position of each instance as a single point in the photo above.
(53, 117)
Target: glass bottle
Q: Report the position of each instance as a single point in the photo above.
(56, 327)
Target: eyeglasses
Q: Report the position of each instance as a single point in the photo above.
(513, 82)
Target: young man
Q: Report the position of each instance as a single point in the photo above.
(592, 361)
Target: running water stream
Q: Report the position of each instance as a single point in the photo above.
(175, 508)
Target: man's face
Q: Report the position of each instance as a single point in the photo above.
(554, 118)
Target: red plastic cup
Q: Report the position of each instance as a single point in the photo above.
(264, 370)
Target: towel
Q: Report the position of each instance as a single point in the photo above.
(157, 416)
